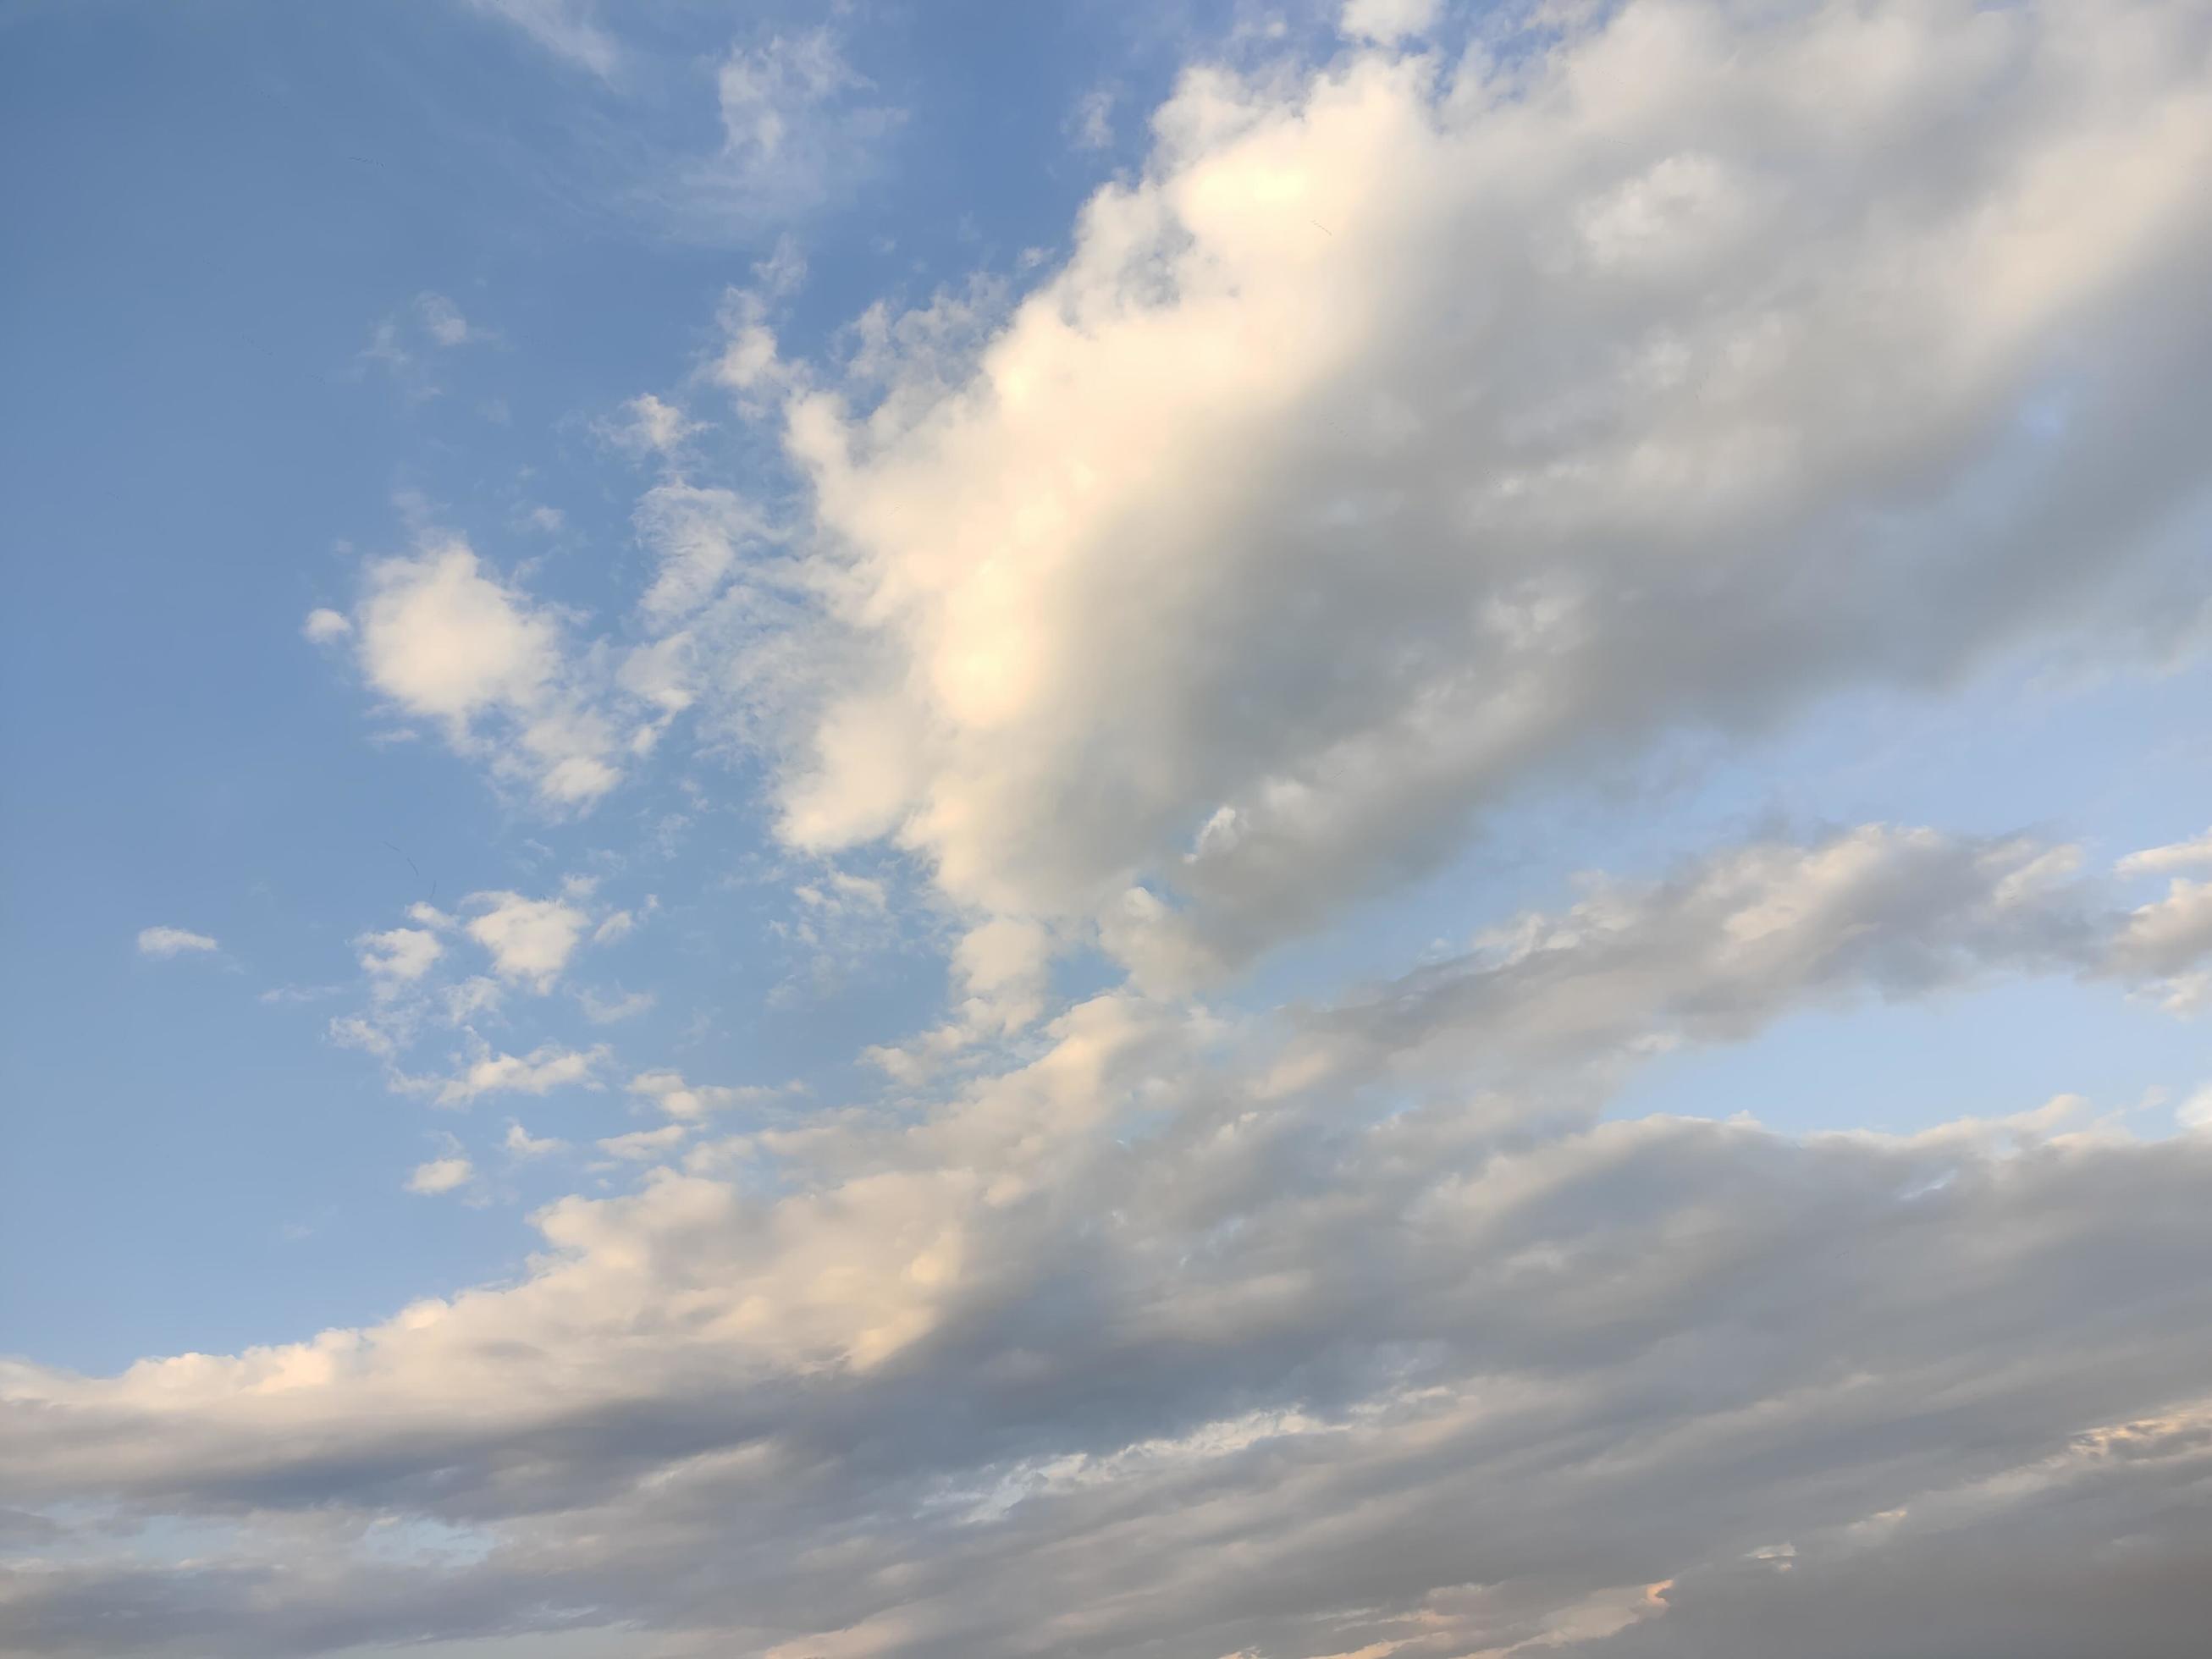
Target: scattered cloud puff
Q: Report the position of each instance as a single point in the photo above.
(2163, 860)
(609, 1008)
(540, 1072)
(162, 942)
(648, 427)
(531, 940)
(399, 956)
(441, 1175)
(520, 1143)
(443, 638)
(528, 944)
(642, 1146)
(672, 1095)
(2196, 1112)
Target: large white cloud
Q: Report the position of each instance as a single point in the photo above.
(1425, 426)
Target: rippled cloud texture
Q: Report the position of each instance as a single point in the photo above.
(1465, 416)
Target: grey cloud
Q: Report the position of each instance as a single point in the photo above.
(1165, 1343)
(1724, 944)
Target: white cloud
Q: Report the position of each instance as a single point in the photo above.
(443, 638)
(520, 1143)
(531, 940)
(1556, 402)
(323, 626)
(672, 1095)
(2163, 860)
(441, 1175)
(540, 1072)
(2164, 942)
(171, 941)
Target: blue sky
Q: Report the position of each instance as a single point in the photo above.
(945, 728)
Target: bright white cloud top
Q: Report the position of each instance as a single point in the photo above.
(1268, 924)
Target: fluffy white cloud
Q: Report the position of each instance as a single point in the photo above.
(531, 940)
(1588, 386)
(399, 956)
(2164, 942)
(444, 638)
(171, 941)
(520, 1143)
(323, 626)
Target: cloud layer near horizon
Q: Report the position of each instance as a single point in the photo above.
(1358, 1300)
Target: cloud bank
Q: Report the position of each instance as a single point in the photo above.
(1458, 417)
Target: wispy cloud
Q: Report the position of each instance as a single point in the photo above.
(569, 29)
(161, 942)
